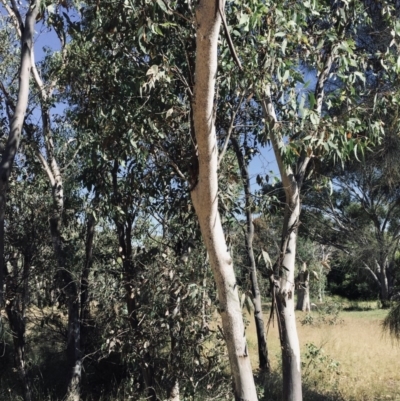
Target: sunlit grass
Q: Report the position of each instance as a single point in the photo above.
(369, 360)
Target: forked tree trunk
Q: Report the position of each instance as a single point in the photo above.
(292, 182)
(258, 314)
(284, 268)
(16, 124)
(65, 278)
(380, 275)
(204, 195)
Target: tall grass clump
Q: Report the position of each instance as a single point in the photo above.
(391, 323)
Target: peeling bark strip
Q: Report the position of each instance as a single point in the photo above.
(17, 122)
(205, 198)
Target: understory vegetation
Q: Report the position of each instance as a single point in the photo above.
(199, 200)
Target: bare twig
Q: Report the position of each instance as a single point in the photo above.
(17, 15)
(229, 132)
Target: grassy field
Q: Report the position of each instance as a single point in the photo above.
(345, 356)
(351, 360)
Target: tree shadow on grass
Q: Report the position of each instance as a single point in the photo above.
(270, 389)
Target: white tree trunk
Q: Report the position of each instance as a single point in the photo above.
(284, 269)
(205, 199)
(174, 392)
(291, 367)
(14, 137)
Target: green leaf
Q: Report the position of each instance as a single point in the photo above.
(286, 75)
(163, 6)
(314, 118)
(284, 44)
(360, 75)
(311, 99)
(267, 259)
(242, 299)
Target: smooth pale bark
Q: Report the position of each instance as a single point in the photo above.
(285, 267)
(16, 124)
(64, 275)
(54, 174)
(174, 392)
(205, 199)
(258, 315)
(384, 269)
(303, 290)
(381, 278)
(291, 366)
(292, 182)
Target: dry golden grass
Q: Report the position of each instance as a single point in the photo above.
(369, 360)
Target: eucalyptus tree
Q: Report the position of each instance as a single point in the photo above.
(205, 198)
(150, 64)
(257, 300)
(360, 216)
(16, 120)
(123, 140)
(282, 41)
(25, 246)
(26, 29)
(45, 150)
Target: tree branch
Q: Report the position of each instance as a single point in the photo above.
(229, 132)
(16, 15)
(286, 172)
(14, 18)
(375, 277)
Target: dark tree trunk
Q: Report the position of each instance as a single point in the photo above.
(303, 290)
(258, 315)
(84, 312)
(124, 233)
(2, 258)
(74, 353)
(16, 296)
(17, 326)
(175, 333)
(68, 283)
